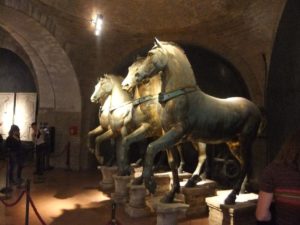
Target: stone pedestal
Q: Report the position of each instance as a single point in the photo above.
(242, 213)
(168, 214)
(163, 182)
(195, 197)
(121, 193)
(137, 206)
(107, 182)
(184, 176)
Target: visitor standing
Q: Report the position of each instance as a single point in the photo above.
(280, 184)
(15, 155)
(40, 148)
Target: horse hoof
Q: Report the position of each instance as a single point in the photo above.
(230, 200)
(124, 173)
(168, 198)
(137, 181)
(190, 183)
(150, 185)
(180, 170)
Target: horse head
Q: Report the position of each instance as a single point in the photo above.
(152, 64)
(102, 89)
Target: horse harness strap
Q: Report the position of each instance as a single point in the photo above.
(143, 99)
(135, 102)
(120, 106)
(164, 97)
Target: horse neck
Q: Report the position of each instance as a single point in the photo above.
(178, 73)
(106, 104)
(119, 96)
(153, 87)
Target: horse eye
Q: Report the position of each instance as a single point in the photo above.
(150, 53)
(137, 75)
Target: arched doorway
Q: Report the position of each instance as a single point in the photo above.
(18, 95)
(52, 71)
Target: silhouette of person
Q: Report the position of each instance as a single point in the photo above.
(40, 148)
(16, 155)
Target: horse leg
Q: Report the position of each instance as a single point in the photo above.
(167, 140)
(182, 162)
(137, 135)
(201, 148)
(243, 154)
(98, 141)
(91, 134)
(169, 197)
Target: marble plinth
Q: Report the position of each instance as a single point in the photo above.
(169, 213)
(163, 182)
(195, 197)
(107, 173)
(137, 206)
(184, 176)
(121, 193)
(241, 213)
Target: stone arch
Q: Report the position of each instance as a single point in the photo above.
(49, 64)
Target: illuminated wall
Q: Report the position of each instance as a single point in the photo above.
(19, 109)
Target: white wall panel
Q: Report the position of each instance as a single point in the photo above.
(25, 113)
(6, 112)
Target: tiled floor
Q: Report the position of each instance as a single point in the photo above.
(69, 198)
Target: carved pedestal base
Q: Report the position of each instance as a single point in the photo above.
(242, 213)
(168, 214)
(163, 182)
(121, 193)
(184, 176)
(137, 206)
(107, 182)
(195, 197)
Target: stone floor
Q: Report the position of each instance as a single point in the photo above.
(69, 197)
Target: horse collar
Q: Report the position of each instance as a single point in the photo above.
(164, 97)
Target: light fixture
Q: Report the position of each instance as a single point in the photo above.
(98, 21)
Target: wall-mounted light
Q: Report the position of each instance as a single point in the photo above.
(98, 21)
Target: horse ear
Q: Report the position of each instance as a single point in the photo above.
(157, 42)
(99, 78)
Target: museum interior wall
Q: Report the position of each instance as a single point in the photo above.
(283, 95)
(229, 44)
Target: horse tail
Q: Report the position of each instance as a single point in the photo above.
(261, 132)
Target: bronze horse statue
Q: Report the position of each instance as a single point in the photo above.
(100, 132)
(189, 114)
(139, 120)
(115, 115)
(146, 94)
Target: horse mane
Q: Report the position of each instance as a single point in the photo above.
(114, 77)
(173, 44)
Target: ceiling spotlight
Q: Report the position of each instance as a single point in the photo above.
(98, 21)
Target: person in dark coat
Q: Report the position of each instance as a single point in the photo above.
(16, 155)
